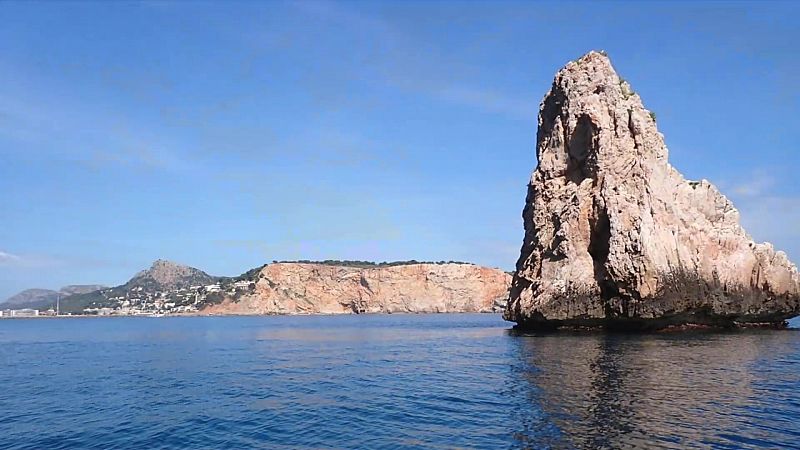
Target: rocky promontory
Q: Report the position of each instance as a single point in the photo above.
(309, 288)
(615, 236)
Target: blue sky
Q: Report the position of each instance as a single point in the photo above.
(226, 135)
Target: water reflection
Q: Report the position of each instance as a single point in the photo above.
(671, 391)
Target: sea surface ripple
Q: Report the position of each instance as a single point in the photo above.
(389, 381)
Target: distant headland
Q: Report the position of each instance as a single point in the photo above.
(284, 287)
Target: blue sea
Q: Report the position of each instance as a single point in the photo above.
(389, 381)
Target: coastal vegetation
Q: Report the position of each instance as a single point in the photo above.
(367, 264)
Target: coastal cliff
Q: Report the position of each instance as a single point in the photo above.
(616, 237)
(301, 288)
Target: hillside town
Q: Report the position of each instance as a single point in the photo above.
(148, 299)
(140, 301)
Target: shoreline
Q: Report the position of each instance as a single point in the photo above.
(165, 316)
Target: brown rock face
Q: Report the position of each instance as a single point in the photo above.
(297, 288)
(616, 237)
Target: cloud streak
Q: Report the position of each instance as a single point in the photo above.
(396, 59)
(27, 261)
(768, 213)
(758, 184)
(49, 122)
(9, 258)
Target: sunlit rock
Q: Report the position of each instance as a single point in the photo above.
(616, 237)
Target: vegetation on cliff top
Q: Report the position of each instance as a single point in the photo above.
(367, 264)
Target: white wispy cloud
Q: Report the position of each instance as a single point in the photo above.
(768, 213)
(27, 261)
(757, 184)
(491, 101)
(9, 258)
(774, 219)
(57, 124)
(397, 59)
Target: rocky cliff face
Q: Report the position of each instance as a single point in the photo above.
(615, 236)
(295, 288)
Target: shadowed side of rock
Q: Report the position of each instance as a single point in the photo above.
(616, 237)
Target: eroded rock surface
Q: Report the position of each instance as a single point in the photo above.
(298, 288)
(616, 237)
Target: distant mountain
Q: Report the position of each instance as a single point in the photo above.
(30, 296)
(45, 298)
(166, 275)
(162, 281)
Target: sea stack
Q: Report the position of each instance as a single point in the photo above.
(616, 238)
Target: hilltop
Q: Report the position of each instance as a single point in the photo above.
(163, 282)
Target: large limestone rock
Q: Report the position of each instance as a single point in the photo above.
(299, 288)
(616, 237)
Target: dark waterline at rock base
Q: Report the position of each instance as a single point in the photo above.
(678, 322)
